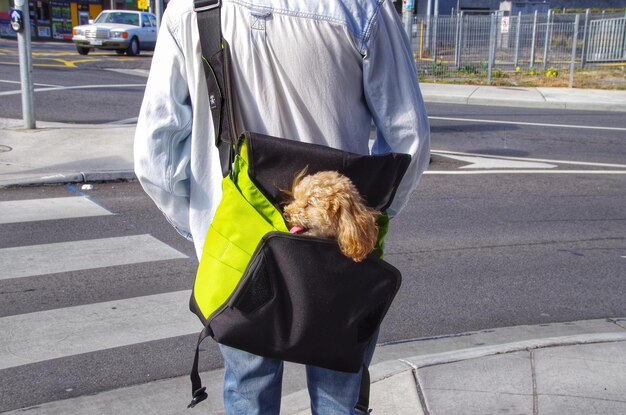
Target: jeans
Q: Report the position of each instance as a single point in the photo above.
(252, 385)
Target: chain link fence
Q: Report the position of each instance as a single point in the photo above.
(491, 46)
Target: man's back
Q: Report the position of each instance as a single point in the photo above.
(298, 68)
(317, 72)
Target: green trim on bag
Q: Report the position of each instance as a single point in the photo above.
(383, 228)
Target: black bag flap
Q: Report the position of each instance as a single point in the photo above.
(275, 162)
(301, 300)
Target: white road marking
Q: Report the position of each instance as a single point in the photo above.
(44, 335)
(519, 165)
(497, 163)
(19, 83)
(16, 211)
(136, 72)
(534, 124)
(29, 261)
(441, 172)
(61, 88)
(580, 163)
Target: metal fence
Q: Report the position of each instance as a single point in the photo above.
(488, 46)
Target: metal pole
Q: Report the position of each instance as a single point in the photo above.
(26, 67)
(534, 40)
(407, 19)
(428, 9)
(457, 51)
(624, 31)
(517, 36)
(492, 48)
(583, 59)
(158, 5)
(435, 24)
(574, 42)
(546, 44)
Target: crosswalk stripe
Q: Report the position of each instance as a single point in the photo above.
(43, 335)
(15, 211)
(28, 261)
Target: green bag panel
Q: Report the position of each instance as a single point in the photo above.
(253, 195)
(242, 218)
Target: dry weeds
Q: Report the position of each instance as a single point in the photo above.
(598, 78)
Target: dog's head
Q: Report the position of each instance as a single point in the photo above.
(327, 204)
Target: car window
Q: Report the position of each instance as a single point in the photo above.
(153, 21)
(119, 17)
(145, 20)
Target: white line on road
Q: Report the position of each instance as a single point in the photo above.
(29, 261)
(61, 88)
(39, 336)
(15, 211)
(35, 84)
(135, 72)
(579, 163)
(476, 162)
(525, 172)
(534, 124)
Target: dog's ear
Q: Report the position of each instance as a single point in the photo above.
(357, 231)
(296, 181)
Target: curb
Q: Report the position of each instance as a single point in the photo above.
(71, 177)
(499, 102)
(170, 396)
(297, 402)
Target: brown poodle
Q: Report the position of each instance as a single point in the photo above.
(328, 205)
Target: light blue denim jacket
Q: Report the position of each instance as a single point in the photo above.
(318, 71)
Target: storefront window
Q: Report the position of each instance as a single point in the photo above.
(61, 20)
(42, 12)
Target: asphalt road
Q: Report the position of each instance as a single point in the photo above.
(101, 87)
(519, 220)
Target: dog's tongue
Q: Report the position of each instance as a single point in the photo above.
(296, 229)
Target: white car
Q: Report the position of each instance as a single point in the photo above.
(124, 31)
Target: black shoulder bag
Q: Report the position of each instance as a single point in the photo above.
(299, 298)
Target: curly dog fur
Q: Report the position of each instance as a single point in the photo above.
(328, 205)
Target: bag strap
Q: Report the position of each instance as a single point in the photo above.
(198, 392)
(362, 405)
(220, 102)
(215, 61)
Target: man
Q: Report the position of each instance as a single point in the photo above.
(320, 71)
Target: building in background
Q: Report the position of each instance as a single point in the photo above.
(447, 7)
(54, 19)
(513, 7)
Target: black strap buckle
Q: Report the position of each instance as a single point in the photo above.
(198, 396)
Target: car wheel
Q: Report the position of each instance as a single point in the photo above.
(82, 51)
(133, 48)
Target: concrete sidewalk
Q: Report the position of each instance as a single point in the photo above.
(554, 98)
(576, 368)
